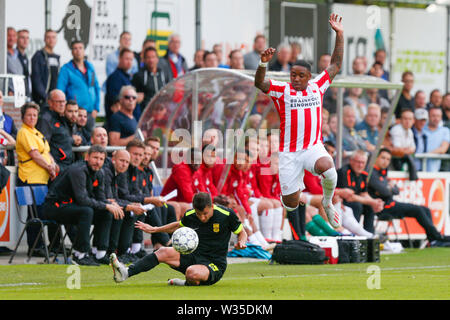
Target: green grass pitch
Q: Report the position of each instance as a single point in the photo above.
(415, 274)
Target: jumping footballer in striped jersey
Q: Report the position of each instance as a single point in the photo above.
(299, 105)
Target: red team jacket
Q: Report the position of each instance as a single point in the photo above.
(180, 179)
(236, 186)
(203, 181)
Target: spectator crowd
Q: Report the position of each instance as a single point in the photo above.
(112, 191)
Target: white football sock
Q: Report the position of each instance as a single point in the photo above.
(267, 223)
(100, 254)
(94, 250)
(350, 223)
(328, 181)
(253, 239)
(78, 254)
(254, 208)
(261, 239)
(247, 225)
(135, 247)
(277, 222)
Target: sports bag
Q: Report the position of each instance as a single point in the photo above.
(298, 252)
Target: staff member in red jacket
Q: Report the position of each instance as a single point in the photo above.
(181, 180)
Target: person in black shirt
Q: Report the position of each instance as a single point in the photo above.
(150, 79)
(207, 264)
(76, 197)
(55, 128)
(381, 187)
(45, 67)
(406, 100)
(353, 176)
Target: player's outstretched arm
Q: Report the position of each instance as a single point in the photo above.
(260, 74)
(242, 240)
(168, 228)
(338, 53)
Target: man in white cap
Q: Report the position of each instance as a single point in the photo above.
(420, 136)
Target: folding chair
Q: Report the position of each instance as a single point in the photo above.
(32, 197)
(389, 219)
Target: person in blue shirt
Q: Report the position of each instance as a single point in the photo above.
(438, 138)
(112, 60)
(368, 128)
(78, 80)
(122, 126)
(116, 80)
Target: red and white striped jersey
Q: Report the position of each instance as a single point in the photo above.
(300, 112)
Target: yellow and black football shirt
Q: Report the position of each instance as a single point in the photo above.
(214, 235)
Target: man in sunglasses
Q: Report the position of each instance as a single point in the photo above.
(122, 126)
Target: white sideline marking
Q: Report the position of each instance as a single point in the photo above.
(20, 284)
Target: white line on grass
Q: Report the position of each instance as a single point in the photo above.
(20, 284)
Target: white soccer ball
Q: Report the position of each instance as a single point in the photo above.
(185, 240)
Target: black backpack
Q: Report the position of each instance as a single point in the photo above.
(298, 252)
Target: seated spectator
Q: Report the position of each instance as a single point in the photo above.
(84, 90)
(122, 125)
(181, 180)
(71, 115)
(198, 59)
(210, 60)
(359, 66)
(45, 68)
(403, 145)
(236, 59)
(8, 133)
(76, 197)
(353, 177)
(55, 128)
(384, 118)
(438, 138)
(324, 62)
(446, 107)
(81, 125)
(368, 129)
(420, 136)
(296, 52)
(251, 59)
(406, 100)
(281, 62)
(380, 57)
(332, 125)
(36, 165)
(435, 99)
(354, 99)
(118, 79)
(373, 96)
(150, 79)
(351, 140)
(176, 61)
(420, 100)
(113, 59)
(217, 49)
(382, 188)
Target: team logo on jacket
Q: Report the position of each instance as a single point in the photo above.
(57, 124)
(196, 182)
(207, 181)
(235, 183)
(216, 227)
(95, 183)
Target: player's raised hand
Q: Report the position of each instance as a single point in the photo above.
(336, 22)
(267, 54)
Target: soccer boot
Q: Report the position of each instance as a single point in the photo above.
(120, 271)
(334, 217)
(176, 282)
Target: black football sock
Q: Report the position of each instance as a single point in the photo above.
(145, 264)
